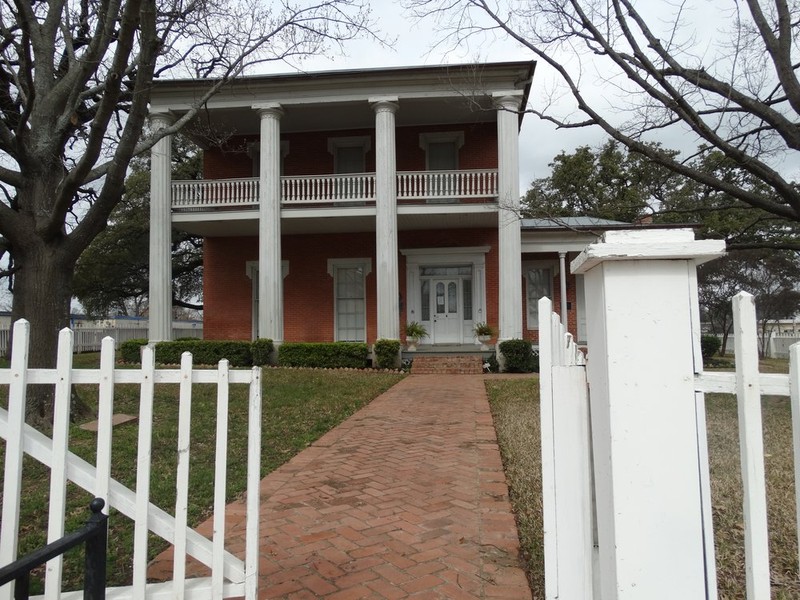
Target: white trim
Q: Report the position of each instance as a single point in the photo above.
(438, 137)
(366, 263)
(348, 263)
(441, 253)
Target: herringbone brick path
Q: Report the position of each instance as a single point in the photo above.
(407, 498)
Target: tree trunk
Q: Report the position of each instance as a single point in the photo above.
(42, 293)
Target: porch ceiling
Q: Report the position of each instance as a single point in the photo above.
(344, 115)
(341, 220)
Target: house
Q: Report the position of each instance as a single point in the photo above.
(338, 206)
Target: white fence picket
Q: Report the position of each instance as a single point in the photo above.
(751, 445)
(58, 481)
(567, 499)
(12, 474)
(182, 475)
(252, 534)
(220, 480)
(794, 398)
(105, 415)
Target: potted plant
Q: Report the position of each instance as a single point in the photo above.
(484, 332)
(414, 332)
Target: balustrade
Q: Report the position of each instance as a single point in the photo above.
(337, 189)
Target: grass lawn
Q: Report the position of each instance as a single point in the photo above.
(515, 409)
(299, 406)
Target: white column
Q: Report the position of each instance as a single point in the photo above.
(159, 323)
(508, 219)
(643, 339)
(386, 268)
(562, 279)
(270, 281)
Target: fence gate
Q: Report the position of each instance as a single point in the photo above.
(230, 576)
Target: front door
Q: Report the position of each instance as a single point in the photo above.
(446, 311)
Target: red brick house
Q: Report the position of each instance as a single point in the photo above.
(342, 205)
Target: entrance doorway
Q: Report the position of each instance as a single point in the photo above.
(446, 311)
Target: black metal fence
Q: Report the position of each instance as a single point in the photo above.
(94, 534)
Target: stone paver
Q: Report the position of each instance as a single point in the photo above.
(407, 498)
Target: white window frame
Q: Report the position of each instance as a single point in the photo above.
(531, 305)
(348, 263)
(454, 137)
(352, 141)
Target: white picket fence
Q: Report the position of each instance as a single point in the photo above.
(230, 576)
(572, 548)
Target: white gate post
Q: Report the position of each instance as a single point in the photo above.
(643, 340)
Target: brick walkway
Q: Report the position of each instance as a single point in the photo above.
(407, 498)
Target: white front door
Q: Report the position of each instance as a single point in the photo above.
(446, 311)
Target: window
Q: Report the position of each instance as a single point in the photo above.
(349, 291)
(538, 282)
(441, 149)
(349, 153)
(441, 154)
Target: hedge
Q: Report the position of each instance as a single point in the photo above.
(709, 346)
(204, 352)
(519, 356)
(387, 353)
(333, 355)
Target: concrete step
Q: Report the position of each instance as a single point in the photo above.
(447, 365)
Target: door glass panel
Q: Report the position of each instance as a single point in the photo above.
(467, 293)
(439, 297)
(425, 300)
(452, 297)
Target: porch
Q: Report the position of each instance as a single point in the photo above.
(354, 189)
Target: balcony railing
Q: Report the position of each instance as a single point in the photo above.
(337, 190)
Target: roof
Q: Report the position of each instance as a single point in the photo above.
(584, 222)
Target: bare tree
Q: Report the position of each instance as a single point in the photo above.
(75, 81)
(734, 90)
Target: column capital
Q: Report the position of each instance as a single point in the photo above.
(384, 104)
(511, 101)
(269, 109)
(160, 120)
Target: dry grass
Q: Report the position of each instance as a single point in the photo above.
(515, 409)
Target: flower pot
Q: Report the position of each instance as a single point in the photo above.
(483, 339)
(412, 344)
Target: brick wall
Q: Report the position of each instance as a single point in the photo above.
(308, 288)
(309, 155)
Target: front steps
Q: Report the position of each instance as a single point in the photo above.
(447, 365)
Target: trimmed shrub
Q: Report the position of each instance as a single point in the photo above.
(261, 349)
(331, 355)
(387, 353)
(519, 356)
(131, 351)
(709, 346)
(206, 352)
(494, 366)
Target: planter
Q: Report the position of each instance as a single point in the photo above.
(483, 339)
(412, 344)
